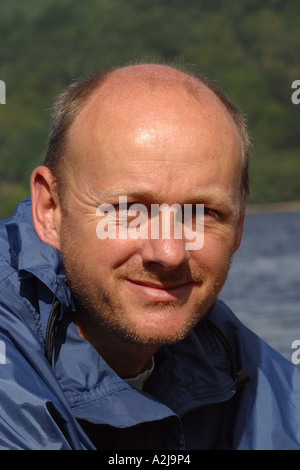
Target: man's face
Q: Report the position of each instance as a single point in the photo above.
(164, 147)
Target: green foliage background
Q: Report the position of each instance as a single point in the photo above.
(249, 48)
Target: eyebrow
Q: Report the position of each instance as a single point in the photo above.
(214, 198)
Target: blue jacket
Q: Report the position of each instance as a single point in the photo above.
(62, 394)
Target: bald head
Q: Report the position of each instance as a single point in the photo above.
(139, 90)
(151, 77)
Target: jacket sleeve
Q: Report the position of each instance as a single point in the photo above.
(34, 413)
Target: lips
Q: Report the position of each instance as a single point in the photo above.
(160, 292)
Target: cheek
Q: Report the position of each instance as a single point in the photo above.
(96, 256)
(111, 254)
(215, 254)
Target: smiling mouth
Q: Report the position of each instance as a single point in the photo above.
(160, 292)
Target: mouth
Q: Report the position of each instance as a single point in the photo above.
(160, 292)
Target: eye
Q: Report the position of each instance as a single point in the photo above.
(208, 211)
(129, 211)
(125, 206)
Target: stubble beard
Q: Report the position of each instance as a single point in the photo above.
(101, 314)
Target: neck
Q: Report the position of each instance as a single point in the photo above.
(124, 357)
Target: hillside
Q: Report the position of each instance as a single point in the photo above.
(251, 49)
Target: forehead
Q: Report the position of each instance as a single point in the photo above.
(159, 125)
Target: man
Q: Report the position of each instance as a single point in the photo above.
(112, 341)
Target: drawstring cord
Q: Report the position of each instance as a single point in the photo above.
(50, 329)
(241, 377)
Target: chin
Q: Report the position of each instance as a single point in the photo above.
(165, 327)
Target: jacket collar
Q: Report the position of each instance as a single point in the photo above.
(32, 257)
(199, 369)
(190, 374)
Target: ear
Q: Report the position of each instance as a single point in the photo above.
(239, 231)
(46, 210)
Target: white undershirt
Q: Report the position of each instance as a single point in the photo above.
(138, 381)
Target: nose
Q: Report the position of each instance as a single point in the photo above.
(168, 253)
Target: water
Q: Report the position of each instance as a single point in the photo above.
(263, 286)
